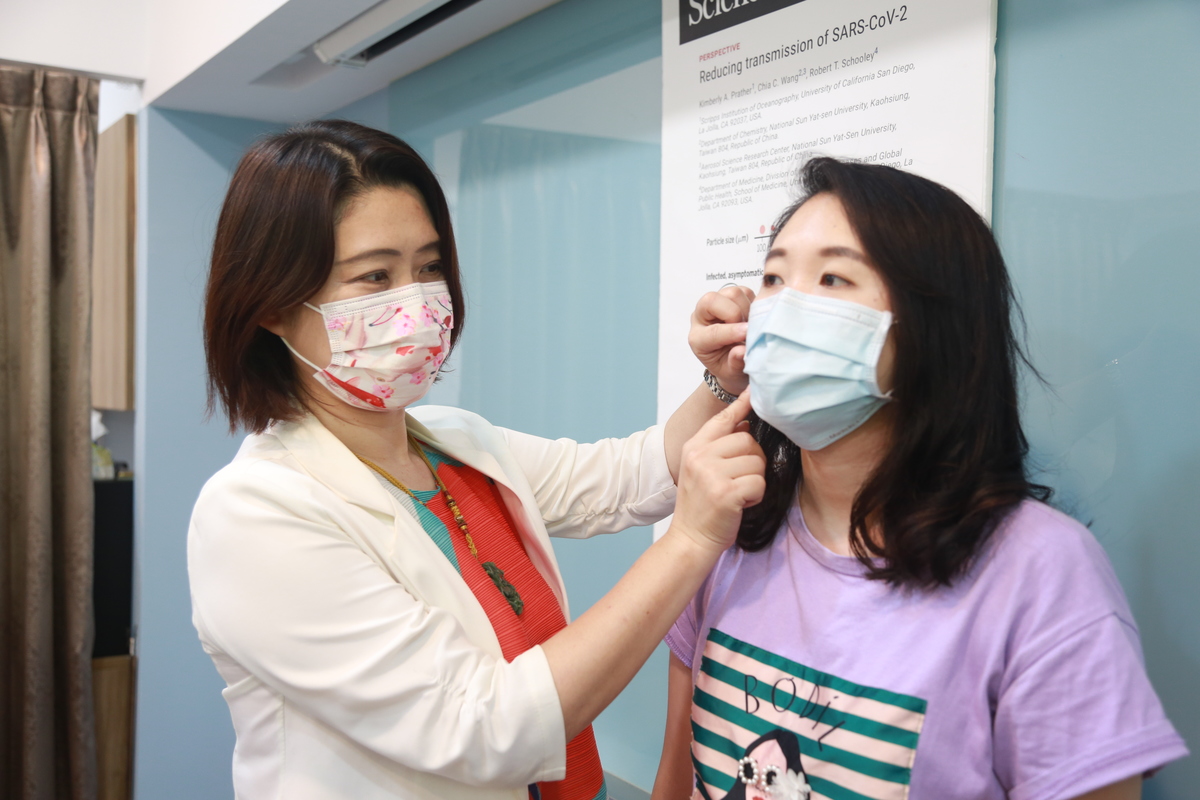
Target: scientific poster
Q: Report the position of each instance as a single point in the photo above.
(751, 88)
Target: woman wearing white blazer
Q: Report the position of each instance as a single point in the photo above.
(375, 585)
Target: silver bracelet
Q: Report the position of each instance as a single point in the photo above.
(716, 388)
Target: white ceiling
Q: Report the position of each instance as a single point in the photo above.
(249, 78)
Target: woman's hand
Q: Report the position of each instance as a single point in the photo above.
(721, 473)
(718, 335)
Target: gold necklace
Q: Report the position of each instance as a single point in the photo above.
(493, 571)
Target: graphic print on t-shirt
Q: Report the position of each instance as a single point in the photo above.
(752, 708)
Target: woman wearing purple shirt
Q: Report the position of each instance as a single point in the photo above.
(903, 616)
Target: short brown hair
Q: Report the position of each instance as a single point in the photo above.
(274, 249)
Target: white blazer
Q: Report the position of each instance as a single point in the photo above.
(358, 662)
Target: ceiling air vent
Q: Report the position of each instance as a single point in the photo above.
(383, 27)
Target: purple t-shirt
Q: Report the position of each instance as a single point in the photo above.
(1024, 680)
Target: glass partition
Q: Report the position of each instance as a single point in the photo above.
(546, 138)
(1097, 207)
(546, 135)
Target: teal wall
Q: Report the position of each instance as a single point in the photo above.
(1097, 207)
(567, 44)
(184, 737)
(560, 250)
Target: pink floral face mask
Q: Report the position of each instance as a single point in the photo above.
(387, 347)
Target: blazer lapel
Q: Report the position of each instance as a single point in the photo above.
(328, 460)
(459, 447)
(410, 555)
(430, 575)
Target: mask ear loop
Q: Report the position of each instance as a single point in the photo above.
(890, 393)
(296, 353)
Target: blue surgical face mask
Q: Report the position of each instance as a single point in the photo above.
(812, 365)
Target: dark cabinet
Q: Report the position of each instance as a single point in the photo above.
(112, 591)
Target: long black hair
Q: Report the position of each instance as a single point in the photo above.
(956, 462)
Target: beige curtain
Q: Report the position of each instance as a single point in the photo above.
(47, 164)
